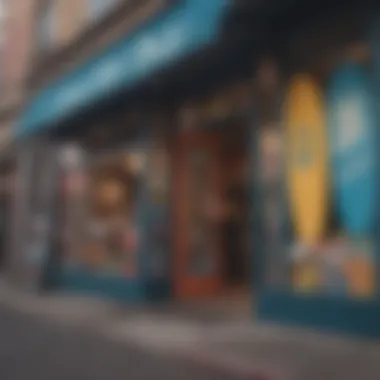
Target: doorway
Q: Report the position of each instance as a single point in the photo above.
(212, 253)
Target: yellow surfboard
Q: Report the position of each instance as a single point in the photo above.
(307, 164)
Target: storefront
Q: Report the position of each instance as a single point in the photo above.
(267, 183)
(114, 230)
(322, 143)
(97, 164)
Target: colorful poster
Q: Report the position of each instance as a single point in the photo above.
(353, 149)
(307, 159)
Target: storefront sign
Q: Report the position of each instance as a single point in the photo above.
(353, 149)
(188, 26)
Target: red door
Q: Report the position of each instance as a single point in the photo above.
(198, 183)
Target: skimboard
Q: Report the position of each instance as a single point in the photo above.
(307, 159)
(353, 149)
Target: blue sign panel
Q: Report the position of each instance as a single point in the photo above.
(185, 28)
(353, 145)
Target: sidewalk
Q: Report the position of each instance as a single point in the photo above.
(256, 351)
(77, 311)
(242, 348)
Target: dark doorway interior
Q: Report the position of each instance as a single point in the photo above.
(235, 195)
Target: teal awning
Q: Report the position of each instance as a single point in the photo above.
(185, 28)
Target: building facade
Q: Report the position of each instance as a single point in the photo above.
(194, 149)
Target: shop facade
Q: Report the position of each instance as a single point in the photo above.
(155, 191)
(98, 151)
(320, 205)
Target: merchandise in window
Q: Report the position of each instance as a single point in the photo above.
(331, 177)
(111, 241)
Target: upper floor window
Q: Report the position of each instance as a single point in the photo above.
(97, 8)
(46, 25)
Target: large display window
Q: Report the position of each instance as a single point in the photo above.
(331, 182)
(101, 199)
(319, 175)
(115, 214)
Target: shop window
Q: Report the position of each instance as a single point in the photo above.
(333, 226)
(318, 191)
(108, 241)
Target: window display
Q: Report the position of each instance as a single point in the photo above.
(353, 149)
(320, 228)
(352, 128)
(112, 199)
(101, 220)
(331, 182)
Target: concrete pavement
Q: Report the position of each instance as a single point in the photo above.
(230, 347)
(33, 349)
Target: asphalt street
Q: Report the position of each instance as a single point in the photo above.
(31, 349)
